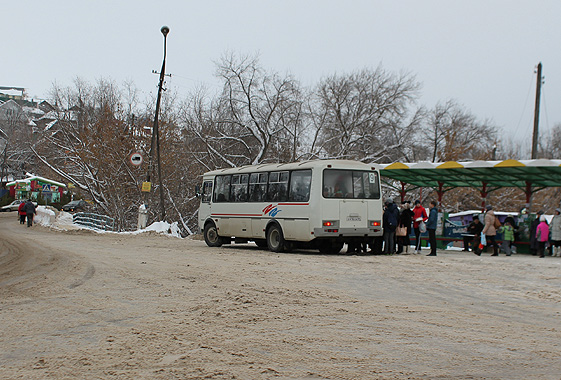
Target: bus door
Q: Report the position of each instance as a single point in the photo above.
(353, 213)
(206, 202)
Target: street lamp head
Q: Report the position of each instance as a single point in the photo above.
(164, 30)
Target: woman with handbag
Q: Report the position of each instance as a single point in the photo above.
(403, 230)
(419, 216)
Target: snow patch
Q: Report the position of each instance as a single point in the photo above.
(63, 221)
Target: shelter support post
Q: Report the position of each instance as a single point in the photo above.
(528, 192)
(402, 191)
(440, 193)
(483, 193)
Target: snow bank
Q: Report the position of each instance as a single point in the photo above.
(63, 221)
(161, 227)
(45, 216)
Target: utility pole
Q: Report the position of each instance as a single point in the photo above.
(155, 142)
(537, 113)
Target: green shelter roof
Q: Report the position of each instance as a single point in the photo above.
(478, 174)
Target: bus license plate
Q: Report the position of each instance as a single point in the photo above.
(353, 219)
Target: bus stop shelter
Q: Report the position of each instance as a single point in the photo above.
(528, 175)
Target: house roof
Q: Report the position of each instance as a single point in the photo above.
(35, 178)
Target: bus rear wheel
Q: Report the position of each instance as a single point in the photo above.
(330, 247)
(210, 233)
(275, 238)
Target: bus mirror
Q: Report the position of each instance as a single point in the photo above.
(198, 191)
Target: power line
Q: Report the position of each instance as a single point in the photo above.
(524, 108)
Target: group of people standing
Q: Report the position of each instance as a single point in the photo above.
(397, 226)
(543, 235)
(26, 210)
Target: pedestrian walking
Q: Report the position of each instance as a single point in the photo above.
(555, 229)
(432, 222)
(542, 235)
(21, 213)
(490, 231)
(30, 211)
(419, 215)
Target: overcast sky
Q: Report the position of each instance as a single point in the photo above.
(480, 53)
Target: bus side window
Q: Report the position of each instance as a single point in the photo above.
(278, 187)
(207, 192)
(239, 188)
(300, 182)
(258, 187)
(222, 188)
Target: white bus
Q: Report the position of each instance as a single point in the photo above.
(320, 204)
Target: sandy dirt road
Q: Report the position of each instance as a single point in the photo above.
(81, 305)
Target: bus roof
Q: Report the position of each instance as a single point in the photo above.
(334, 164)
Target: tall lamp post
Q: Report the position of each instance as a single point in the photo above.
(155, 143)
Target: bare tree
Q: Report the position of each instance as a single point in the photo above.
(90, 144)
(550, 143)
(16, 135)
(257, 117)
(366, 115)
(455, 134)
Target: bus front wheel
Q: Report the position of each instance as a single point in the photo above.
(211, 236)
(275, 238)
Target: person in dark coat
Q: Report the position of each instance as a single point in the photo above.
(474, 228)
(30, 211)
(390, 218)
(21, 213)
(405, 219)
(534, 244)
(432, 223)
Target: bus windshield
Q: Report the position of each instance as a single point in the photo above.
(353, 184)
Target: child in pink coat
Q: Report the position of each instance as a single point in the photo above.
(542, 235)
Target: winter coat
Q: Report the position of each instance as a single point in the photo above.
(21, 208)
(419, 212)
(542, 232)
(489, 229)
(556, 228)
(508, 232)
(432, 222)
(391, 216)
(533, 228)
(29, 208)
(405, 219)
(475, 228)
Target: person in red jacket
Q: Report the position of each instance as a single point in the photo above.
(419, 215)
(21, 213)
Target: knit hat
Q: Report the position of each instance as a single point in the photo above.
(489, 207)
(417, 202)
(558, 210)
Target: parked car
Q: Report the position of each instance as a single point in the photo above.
(79, 205)
(14, 205)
